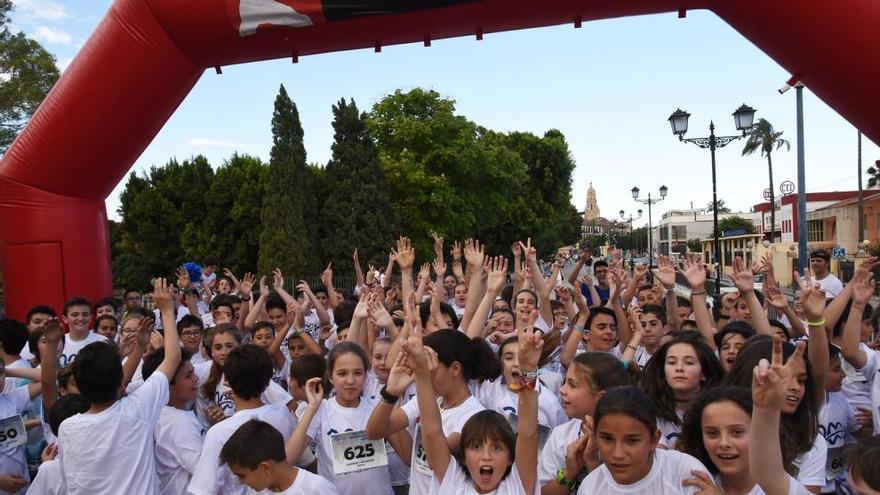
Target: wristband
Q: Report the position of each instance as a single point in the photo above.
(820, 323)
(630, 346)
(571, 485)
(699, 293)
(387, 397)
(524, 380)
(579, 329)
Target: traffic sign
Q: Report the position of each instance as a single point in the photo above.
(767, 193)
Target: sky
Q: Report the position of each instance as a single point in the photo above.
(609, 86)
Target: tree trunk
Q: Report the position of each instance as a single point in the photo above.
(772, 201)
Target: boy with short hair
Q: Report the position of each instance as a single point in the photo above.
(48, 480)
(36, 317)
(109, 449)
(178, 434)
(255, 455)
(191, 330)
(108, 306)
(77, 315)
(248, 370)
(107, 326)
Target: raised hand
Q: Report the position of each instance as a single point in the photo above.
(455, 252)
(770, 381)
(52, 331)
(182, 278)
(162, 295)
(246, 285)
(530, 252)
(516, 249)
(812, 295)
(775, 297)
(231, 276)
(378, 315)
(314, 392)
(695, 273)
(425, 271)
(641, 271)
(264, 287)
(531, 343)
(439, 268)
(438, 245)
(360, 311)
(497, 274)
(400, 376)
(327, 275)
(145, 329)
(863, 286)
(473, 253)
(664, 272)
(743, 277)
(391, 296)
(405, 256)
(277, 280)
(563, 294)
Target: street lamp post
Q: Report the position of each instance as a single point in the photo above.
(631, 236)
(743, 117)
(650, 201)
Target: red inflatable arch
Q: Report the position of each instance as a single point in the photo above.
(146, 55)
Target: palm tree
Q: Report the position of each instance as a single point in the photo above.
(721, 208)
(762, 136)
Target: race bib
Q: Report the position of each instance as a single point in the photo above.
(12, 433)
(835, 463)
(543, 431)
(353, 452)
(420, 455)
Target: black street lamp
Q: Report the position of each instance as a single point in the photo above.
(743, 117)
(631, 236)
(650, 201)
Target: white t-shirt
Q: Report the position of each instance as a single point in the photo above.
(332, 419)
(222, 394)
(209, 478)
(178, 438)
(870, 371)
(13, 461)
(72, 347)
(669, 469)
(181, 312)
(305, 483)
(453, 421)
(455, 481)
(811, 464)
(669, 432)
(831, 285)
(856, 387)
(48, 480)
(118, 440)
(497, 396)
(837, 422)
(794, 488)
(552, 456)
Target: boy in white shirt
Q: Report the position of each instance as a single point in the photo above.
(248, 370)
(48, 480)
(255, 455)
(77, 315)
(109, 449)
(178, 435)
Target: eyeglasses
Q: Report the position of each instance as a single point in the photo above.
(190, 334)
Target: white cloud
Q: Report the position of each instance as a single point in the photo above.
(41, 9)
(213, 143)
(53, 36)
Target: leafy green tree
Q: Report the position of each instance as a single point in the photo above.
(593, 242)
(763, 137)
(159, 210)
(231, 226)
(31, 73)
(736, 222)
(694, 246)
(357, 210)
(284, 239)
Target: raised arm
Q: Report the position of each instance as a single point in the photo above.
(575, 272)
(695, 273)
(574, 337)
(49, 361)
(278, 285)
(244, 289)
(476, 287)
(769, 388)
(162, 296)
(145, 329)
(538, 281)
(665, 274)
(777, 300)
(327, 280)
(299, 440)
(744, 279)
(639, 274)
(529, 353)
(813, 298)
(862, 287)
(355, 260)
(424, 277)
(405, 256)
(357, 331)
(494, 283)
(260, 305)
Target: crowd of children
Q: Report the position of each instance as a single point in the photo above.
(481, 380)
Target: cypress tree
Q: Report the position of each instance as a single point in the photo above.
(357, 211)
(284, 239)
